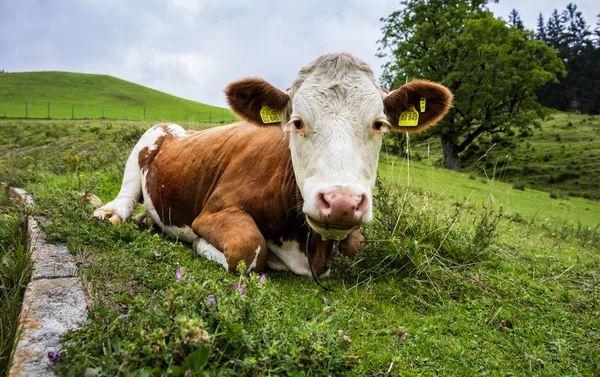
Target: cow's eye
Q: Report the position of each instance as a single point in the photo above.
(298, 124)
(377, 125)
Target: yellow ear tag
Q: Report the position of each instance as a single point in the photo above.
(422, 102)
(409, 118)
(269, 115)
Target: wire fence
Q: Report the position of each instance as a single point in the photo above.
(54, 110)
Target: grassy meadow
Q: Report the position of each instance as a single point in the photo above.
(561, 157)
(80, 95)
(461, 276)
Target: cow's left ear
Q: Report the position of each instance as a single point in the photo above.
(257, 101)
(416, 106)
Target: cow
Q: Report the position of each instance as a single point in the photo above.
(289, 181)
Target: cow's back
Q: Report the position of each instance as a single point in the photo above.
(239, 165)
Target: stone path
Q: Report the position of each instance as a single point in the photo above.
(54, 302)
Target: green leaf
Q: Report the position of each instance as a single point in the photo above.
(196, 360)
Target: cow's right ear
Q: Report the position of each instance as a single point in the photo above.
(257, 101)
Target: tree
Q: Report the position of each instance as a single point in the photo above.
(540, 34)
(597, 31)
(576, 38)
(555, 31)
(515, 20)
(492, 68)
(579, 89)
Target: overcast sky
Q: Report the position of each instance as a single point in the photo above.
(194, 48)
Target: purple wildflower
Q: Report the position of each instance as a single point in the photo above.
(178, 274)
(211, 300)
(241, 289)
(53, 355)
(263, 278)
(156, 253)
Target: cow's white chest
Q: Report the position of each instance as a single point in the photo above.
(289, 256)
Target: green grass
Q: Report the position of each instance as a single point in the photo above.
(15, 270)
(121, 99)
(445, 286)
(529, 204)
(562, 157)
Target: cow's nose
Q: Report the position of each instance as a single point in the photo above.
(342, 207)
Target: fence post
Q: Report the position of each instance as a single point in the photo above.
(222, 115)
(72, 111)
(5, 109)
(210, 116)
(144, 112)
(48, 109)
(102, 111)
(124, 113)
(26, 110)
(85, 114)
(186, 116)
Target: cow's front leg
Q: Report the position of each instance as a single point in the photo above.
(233, 233)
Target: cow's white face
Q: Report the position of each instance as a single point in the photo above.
(336, 128)
(336, 113)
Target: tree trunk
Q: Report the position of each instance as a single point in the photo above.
(450, 152)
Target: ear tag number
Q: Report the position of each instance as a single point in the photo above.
(409, 118)
(269, 115)
(422, 102)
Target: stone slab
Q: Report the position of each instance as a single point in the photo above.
(51, 307)
(20, 196)
(50, 261)
(54, 302)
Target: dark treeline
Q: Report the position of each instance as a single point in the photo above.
(579, 48)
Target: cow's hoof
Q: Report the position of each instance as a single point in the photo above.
(115, 219)
(102, 213)
(143, 219)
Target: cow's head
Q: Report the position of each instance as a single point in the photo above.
(336, 115)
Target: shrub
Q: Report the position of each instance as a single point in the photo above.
(557, 195)
(408, 235)
(519, 186)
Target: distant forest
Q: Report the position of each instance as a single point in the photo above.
(579, 48)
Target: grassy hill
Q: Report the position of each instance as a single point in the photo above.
(524, 205)
(121, 99)
(562, 157)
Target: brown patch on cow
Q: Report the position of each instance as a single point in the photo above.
(246, 98)
(439, 101)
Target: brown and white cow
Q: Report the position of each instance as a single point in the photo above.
(251, 191)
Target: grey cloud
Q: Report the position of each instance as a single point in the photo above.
(194, 48)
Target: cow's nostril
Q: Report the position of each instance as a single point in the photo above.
(362, 206)
(322, 202)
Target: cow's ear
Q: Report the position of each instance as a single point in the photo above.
(416, 106)
(257, 101)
